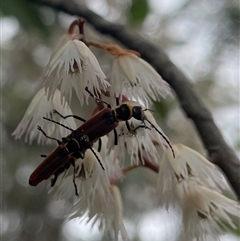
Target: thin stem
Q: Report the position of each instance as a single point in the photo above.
(72, 26)
(146, 163)
(97, 45)
(113, 49)
(124, 171)
(150, 165)
(80, 24)
(130, 168)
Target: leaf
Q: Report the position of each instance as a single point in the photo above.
(138, 11)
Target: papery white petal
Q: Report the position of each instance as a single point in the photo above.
(41, 107)
(98, 202)
(73, 66)
(207, 214)
(166, 184)
(194, 184)
(89, 178)
(188, 168)
(112, 217)
(189, 163)
(133, 77)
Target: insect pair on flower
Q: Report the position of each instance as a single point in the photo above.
(184, 177)
(75, 145)
(72, 66)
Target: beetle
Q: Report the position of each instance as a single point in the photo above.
(75, 145)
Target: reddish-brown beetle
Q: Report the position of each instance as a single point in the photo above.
(75, 145)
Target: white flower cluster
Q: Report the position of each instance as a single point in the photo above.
(41, 107)
(193, 183)
(185, 178)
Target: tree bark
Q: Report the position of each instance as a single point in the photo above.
(219, 152)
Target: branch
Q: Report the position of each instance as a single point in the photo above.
(219, 152)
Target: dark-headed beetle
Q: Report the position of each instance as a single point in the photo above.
(75, 145)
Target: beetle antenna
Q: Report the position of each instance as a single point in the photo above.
(97, 99)
(55, 122)
(163, 136)
(67, 116)
(49, 137)
(95, 154)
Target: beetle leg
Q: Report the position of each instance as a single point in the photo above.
(52, 138)
(115, 137)
(95, 154)
(67, 116)
(128, 125)
(117, 101)
(74, 177)
(99, 144)
(149, 110)
(141, 126)
(56, 174)
(133, 131)
(54, 179)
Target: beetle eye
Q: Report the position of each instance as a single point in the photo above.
(138, 113)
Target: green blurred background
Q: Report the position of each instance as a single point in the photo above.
(201, 38)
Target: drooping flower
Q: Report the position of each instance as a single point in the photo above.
(138, 139)
(89, 179)
(72, 65)
(192, 183)
(186, 169)
(98, 201)
(108, 217)
(133, 77)
(41, 107)
(207, 214)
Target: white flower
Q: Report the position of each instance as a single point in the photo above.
(107, 217)
(186, 169)
(98, 202)
(133, 77)
(41, 107)
(194, 184)
(139, 143)
(73, 66)
(90, 180)
(115, 218)
(207, 214)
